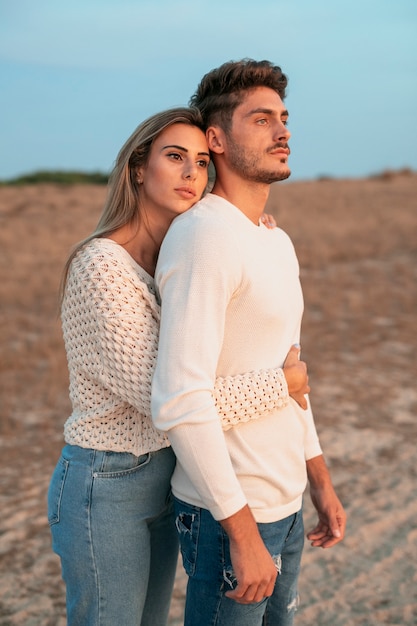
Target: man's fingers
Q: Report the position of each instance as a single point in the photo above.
(248, 597)
(325, 537)
(252, 593)
(255, 592)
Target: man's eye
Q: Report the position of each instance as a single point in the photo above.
(262, 121)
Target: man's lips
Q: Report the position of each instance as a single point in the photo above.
(280, 151)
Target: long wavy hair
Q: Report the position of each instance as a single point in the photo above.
(123, 202)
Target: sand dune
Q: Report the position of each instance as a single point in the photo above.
(357, 245)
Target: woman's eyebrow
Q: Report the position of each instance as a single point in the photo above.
(183, 149)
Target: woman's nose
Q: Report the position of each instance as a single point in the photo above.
(190, 172)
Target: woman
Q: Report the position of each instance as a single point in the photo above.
(109, 504)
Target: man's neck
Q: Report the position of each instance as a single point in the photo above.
(247, 196)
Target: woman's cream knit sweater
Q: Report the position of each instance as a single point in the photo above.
(110, 321)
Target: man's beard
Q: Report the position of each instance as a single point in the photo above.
(246, 162)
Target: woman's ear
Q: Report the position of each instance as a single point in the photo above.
(139, 175)
(215, 139)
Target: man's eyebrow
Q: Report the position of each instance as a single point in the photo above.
(183, 149)
(266, 112)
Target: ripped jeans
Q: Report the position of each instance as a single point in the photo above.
(206, 559)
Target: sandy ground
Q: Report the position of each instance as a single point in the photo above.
(357, 245)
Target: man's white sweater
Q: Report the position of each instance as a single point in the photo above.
(231, 302)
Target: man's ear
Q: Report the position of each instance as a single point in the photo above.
(215, 139)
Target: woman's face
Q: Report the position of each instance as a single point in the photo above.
(176, 174)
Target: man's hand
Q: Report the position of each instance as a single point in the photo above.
(252, 564)
(295, 372)
(331, 526)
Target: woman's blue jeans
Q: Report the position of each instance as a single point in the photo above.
(112, 524)
(206, 559)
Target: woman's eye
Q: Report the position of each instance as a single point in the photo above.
(174, 155)
(203, 163)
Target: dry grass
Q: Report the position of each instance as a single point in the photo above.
(357, 245)
(39, 226)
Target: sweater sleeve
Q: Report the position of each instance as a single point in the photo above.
(248, 396)
(110, 323)
(312, 446)
(195, 290)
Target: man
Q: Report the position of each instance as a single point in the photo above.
(232, 302)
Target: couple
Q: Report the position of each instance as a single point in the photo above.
(220, 292)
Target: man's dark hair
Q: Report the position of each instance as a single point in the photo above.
(221, 90)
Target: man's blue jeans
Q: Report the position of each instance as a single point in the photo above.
(112, 524)
(206, 559)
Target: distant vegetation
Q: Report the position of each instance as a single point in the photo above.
(59, 177)
(384, 175)
(389, 174)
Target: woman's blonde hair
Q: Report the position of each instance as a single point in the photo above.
(122, 204)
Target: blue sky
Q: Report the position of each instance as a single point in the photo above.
(77, 77)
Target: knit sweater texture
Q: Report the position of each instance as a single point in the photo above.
(110, 320)
(231, 302)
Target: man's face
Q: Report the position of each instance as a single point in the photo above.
(257, 145)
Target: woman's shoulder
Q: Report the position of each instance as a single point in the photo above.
(105, 262)
(103, 274)
(110, 257)
(100, 249)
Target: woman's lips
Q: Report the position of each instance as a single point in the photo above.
(186, 192)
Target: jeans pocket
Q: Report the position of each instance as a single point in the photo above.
(297, 526)
(187, 520)
(121, 464)
(56, 489)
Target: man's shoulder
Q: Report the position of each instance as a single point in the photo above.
(209, 207)
(207, 216)
(205, 231)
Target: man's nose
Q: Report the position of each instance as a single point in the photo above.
(281, 132)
